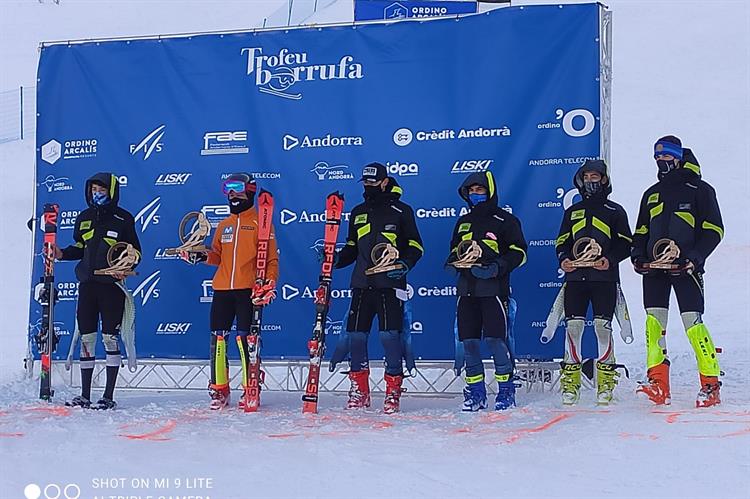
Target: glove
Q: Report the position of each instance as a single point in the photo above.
(398, 273)
(486, 271)
(192, 257)
(321, 256)
(263, 293)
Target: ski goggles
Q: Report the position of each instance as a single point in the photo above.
(238, 186)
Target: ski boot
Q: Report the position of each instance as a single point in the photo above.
(79, 401)
(571, 383)
(475, 395)
(657, 386)
(606, 381)
(709, 394)
(359, 392)
(506, 392)
(220, 396)
(393, 393)
(104, 404)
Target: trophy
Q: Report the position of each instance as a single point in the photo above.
(468, 253)
(194, 230)
(383, 256)
(665, 253)
(586, 251)
(121, 258)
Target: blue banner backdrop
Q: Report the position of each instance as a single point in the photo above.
(370, 10)
(515, 91)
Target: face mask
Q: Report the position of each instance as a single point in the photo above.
(475, 198)
(100, 198)
(665, 166)
(592, 188)
(372, 190)
(238, 205)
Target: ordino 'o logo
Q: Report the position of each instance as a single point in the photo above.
(403, 137)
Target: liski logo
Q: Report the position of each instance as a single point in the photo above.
(147, 289)
(161, 254)
(471, 166)
(172, 328)
(54, 184)
(148, 214)
(150, 144)
(172, 179)
(290, 141)
(225, 143)
(324, 171)
(277, 74)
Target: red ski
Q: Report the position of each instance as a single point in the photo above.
(316, 345)
(253, 374)
(46, 339)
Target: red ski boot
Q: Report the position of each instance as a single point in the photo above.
(392, 393)
(359, 393)
(709, 394)
(657, 386)
(219, 397)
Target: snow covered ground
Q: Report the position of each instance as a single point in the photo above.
(680, 67)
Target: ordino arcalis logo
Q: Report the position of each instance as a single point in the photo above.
(285, 73)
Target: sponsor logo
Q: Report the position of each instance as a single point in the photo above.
(319, 245)
(172, 179)
(289, 142)
(324, 171)
(150, 144)
(148, 289)
(402, 169)
(436, 291)
(66, 221)
(541, 242)
(257, 175)
(52, 151)
(574, 161)
(277, 74)
(397, 10)
(67, 291)
(225, 143)
(575, 123)
(173, 328)
(543, 324)
(446, 212)
(270, 328)
(207, 291)
(215, 213)
(60, 329)
(55, 184)
(161, 254)
(149, 214)
(471, 166)
(334, 327)
(289, 216)
(404, 136)
(289, 292)
(565, 199)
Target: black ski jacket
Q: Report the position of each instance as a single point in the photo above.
(380, 219)
(496, 231)
(97, 228)
(602, 220)
(681, 207)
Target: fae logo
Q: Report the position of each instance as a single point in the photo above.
(277, 74)
(148, 214)
(207, 291)
(403, 137)
(51, 151)
(215, 213)
(471, 166)
(173, 328)
(225, 143)
(402, 169)
(150, 144)
(324, 171)
(148, 288)
(54, 184)
(288, 291)
(575, 123)
(172, 179)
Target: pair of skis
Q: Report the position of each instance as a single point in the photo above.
(46, 339)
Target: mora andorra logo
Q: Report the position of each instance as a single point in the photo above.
(325, 171)
(278, 74)
(56, 184)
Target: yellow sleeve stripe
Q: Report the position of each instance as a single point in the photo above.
(714, 227)
(416, 244)
(516, 248)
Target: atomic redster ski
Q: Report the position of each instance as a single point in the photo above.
(46, 339)
(253, 374)
(316, 345)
